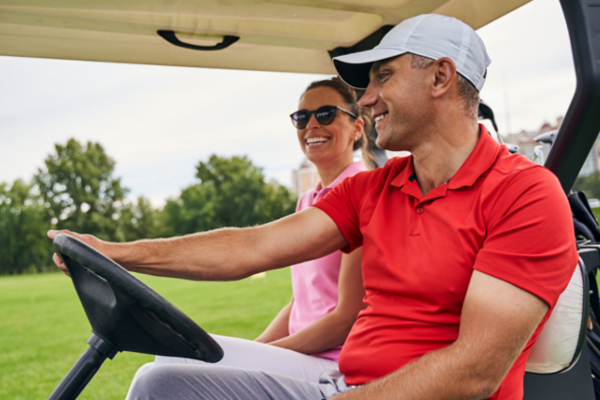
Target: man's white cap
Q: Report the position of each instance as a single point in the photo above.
(428, 35)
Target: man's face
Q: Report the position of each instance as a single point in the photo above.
(398, 97)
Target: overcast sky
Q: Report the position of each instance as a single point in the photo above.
(158, 122)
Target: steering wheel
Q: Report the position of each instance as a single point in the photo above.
(126, 315)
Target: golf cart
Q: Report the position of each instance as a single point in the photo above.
(291, 36)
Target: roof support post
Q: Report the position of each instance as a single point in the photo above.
(581, 124)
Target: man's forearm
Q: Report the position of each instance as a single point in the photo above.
(438, 375)
(224, 254)
(228, 253)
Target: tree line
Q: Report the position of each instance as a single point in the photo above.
(590, 184)
(77, 190)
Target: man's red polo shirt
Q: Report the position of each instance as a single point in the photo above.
(499, 214)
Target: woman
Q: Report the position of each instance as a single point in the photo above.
(328, 291)
(306, 336)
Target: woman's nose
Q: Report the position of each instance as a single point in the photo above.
(312, 122)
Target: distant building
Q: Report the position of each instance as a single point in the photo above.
(526, 145)
(525, 142)
(304, 178)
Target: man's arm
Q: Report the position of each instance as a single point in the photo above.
(497, 321)
(228, 253)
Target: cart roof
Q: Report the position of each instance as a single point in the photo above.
(281, 35)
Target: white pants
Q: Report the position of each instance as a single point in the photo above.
(247, 354)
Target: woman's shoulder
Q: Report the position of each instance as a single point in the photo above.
(350, 171)
(306, 199)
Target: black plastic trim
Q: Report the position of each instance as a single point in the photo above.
(170, 37)
(581, 124)
(366, 44)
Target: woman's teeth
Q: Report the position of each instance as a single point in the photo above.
(315, 140)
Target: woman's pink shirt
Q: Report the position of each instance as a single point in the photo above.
(315, 283)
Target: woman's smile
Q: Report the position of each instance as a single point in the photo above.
(316, 141)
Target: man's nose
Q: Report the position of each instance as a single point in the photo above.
(369, 98)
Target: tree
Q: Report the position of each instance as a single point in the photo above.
(139, 221)
(24, 246)
(589, 184)
(231, 192)
(193, 211)
(77, 190)
(80, 190)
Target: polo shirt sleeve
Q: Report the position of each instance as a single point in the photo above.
(341, 205)
(530, 241)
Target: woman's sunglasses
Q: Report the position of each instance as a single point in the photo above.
(324, 115)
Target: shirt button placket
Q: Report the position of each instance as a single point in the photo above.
(415, 229)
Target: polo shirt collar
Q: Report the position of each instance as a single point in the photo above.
(406, 175)
(350, 170)
(479, 161)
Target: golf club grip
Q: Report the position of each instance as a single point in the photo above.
(584, 216)
(582, 229)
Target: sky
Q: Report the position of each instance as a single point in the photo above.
(158, 122)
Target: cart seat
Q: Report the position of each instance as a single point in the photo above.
(561, 340)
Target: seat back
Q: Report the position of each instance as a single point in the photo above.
(561, 340)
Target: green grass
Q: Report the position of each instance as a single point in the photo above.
(43, 328)
(596, 212)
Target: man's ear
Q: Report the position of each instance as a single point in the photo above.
(445, 75)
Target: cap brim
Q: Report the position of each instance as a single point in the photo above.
(354, 68)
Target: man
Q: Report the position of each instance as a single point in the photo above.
(459, 269)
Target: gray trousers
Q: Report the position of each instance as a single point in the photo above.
(211, 382)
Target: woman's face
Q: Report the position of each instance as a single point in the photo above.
(326, 144)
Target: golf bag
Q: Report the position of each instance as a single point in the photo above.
(588, 233)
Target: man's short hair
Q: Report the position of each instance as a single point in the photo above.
(466, 90)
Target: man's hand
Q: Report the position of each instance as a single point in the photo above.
(90, 240)
(497, 321)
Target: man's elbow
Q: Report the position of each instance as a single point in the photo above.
(482, 389)
(483, 383)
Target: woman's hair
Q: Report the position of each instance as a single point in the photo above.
(367, 138)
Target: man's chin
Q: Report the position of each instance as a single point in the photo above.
(381, 142)
(385, 144)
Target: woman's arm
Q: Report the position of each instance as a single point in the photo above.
(279, 327)
(332, 329)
